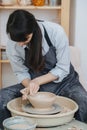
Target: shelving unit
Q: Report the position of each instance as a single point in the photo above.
(63, 14)
(30, 7)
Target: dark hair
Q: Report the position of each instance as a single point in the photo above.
(20, 24)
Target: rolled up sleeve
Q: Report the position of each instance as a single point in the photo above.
(17, 63)
(62, 68)
(20, 70)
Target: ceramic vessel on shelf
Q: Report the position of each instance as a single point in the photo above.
(38, 2)
(53, 2)
(4, 56)
(7, 2)
(24, 2)
(42, 100)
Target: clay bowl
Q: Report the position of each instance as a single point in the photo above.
(42, 100)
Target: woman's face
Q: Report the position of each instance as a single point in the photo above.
(29, 37)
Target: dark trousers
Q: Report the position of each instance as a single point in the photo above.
(79, 95)
(7, 94)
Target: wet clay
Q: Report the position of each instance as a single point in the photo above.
(19, 126)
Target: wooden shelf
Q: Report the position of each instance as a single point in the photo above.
(30, 7)
(4, 61)
(2, 47)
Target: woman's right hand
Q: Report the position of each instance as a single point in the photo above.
(34, 86)
(32, 89)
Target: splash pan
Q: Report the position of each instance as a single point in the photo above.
(69, 107)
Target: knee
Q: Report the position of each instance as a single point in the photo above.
(81, 114)
(3, 99)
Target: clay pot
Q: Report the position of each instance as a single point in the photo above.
(42, 100)
(38, 2)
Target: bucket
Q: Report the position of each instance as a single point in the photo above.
(19, 123)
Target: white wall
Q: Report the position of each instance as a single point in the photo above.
(78, 29)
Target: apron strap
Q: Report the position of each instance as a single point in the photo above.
(47, 37)
(46, 34)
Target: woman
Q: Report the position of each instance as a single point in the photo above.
(39, 55)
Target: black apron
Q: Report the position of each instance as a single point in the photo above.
(50, 62)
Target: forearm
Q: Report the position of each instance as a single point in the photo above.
(32, 86)
(46, 78)
(25, 82)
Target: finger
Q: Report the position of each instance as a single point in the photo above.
(32, 89)
(23, 91)
(24, 97)
(27, 91)
(36, 88)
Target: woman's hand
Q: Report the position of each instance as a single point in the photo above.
(32, 88)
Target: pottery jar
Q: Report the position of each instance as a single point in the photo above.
(7, 2)
(24, 2)
(38, 2)
(53, 2)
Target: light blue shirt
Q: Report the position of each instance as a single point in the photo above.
(16, 53)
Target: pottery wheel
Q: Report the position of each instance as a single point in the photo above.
(53, 110)
(51, 120)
